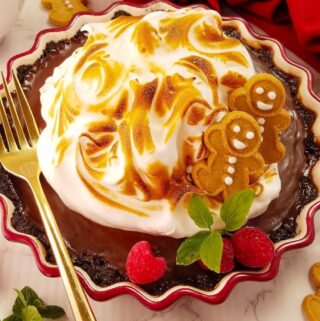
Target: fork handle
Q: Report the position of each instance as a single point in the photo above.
(78, 301)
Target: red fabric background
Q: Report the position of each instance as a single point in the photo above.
(296, 23)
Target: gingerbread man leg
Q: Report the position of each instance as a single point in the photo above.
(271, 142)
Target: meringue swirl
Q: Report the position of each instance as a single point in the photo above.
(125, 116)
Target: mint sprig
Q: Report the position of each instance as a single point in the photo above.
(208, 245)
(29, 307)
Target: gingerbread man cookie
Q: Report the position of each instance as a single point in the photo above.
(311, 303)
(233, 145)
(263, 97)
(62, 11)
(311, 307)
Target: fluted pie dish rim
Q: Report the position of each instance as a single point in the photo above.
(305, 225)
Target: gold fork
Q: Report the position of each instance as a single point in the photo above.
(19, 157)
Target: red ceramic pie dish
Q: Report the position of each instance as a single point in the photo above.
(304, 223)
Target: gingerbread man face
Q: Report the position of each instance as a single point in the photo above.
(266, 95)
(240, 135)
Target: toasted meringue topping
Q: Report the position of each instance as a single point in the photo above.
(125, 116)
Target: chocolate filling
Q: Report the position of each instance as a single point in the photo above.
(101, 251)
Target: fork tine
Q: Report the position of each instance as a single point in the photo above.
(3, 149)
(31, 124)
(12, 146)
(17, 125)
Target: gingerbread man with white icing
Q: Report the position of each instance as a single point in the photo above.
(234, 158)
(62, 11)
(263, 97)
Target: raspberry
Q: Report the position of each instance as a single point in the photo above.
(252, 247)
(227, 259)
(142, 266)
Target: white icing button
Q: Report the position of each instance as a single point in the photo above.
(232, 160)
(272, 95)
(231, 170)
(259, 90)
(250, 135)
(228, 180)
(261, 129)
(261, 121)
(69, 6)
(236, 129)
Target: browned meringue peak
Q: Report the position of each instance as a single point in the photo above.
(126, 113)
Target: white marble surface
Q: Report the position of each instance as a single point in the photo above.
(276, 300)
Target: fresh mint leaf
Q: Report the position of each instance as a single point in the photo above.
(235, 209)
(30, 313)
(189, 250)
(26, 297)
(21, 297)
(29, 307)
(199, 212)
(32, 297)
(12, 317)
(211, 251)
(51, 312)
(19, 304)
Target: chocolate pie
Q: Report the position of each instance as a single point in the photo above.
(123, 107)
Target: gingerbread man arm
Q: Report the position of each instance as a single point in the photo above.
(255, 165)
(47, 3)
(204, 176)
(281, 121)
(213, 138)
(238, 100)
